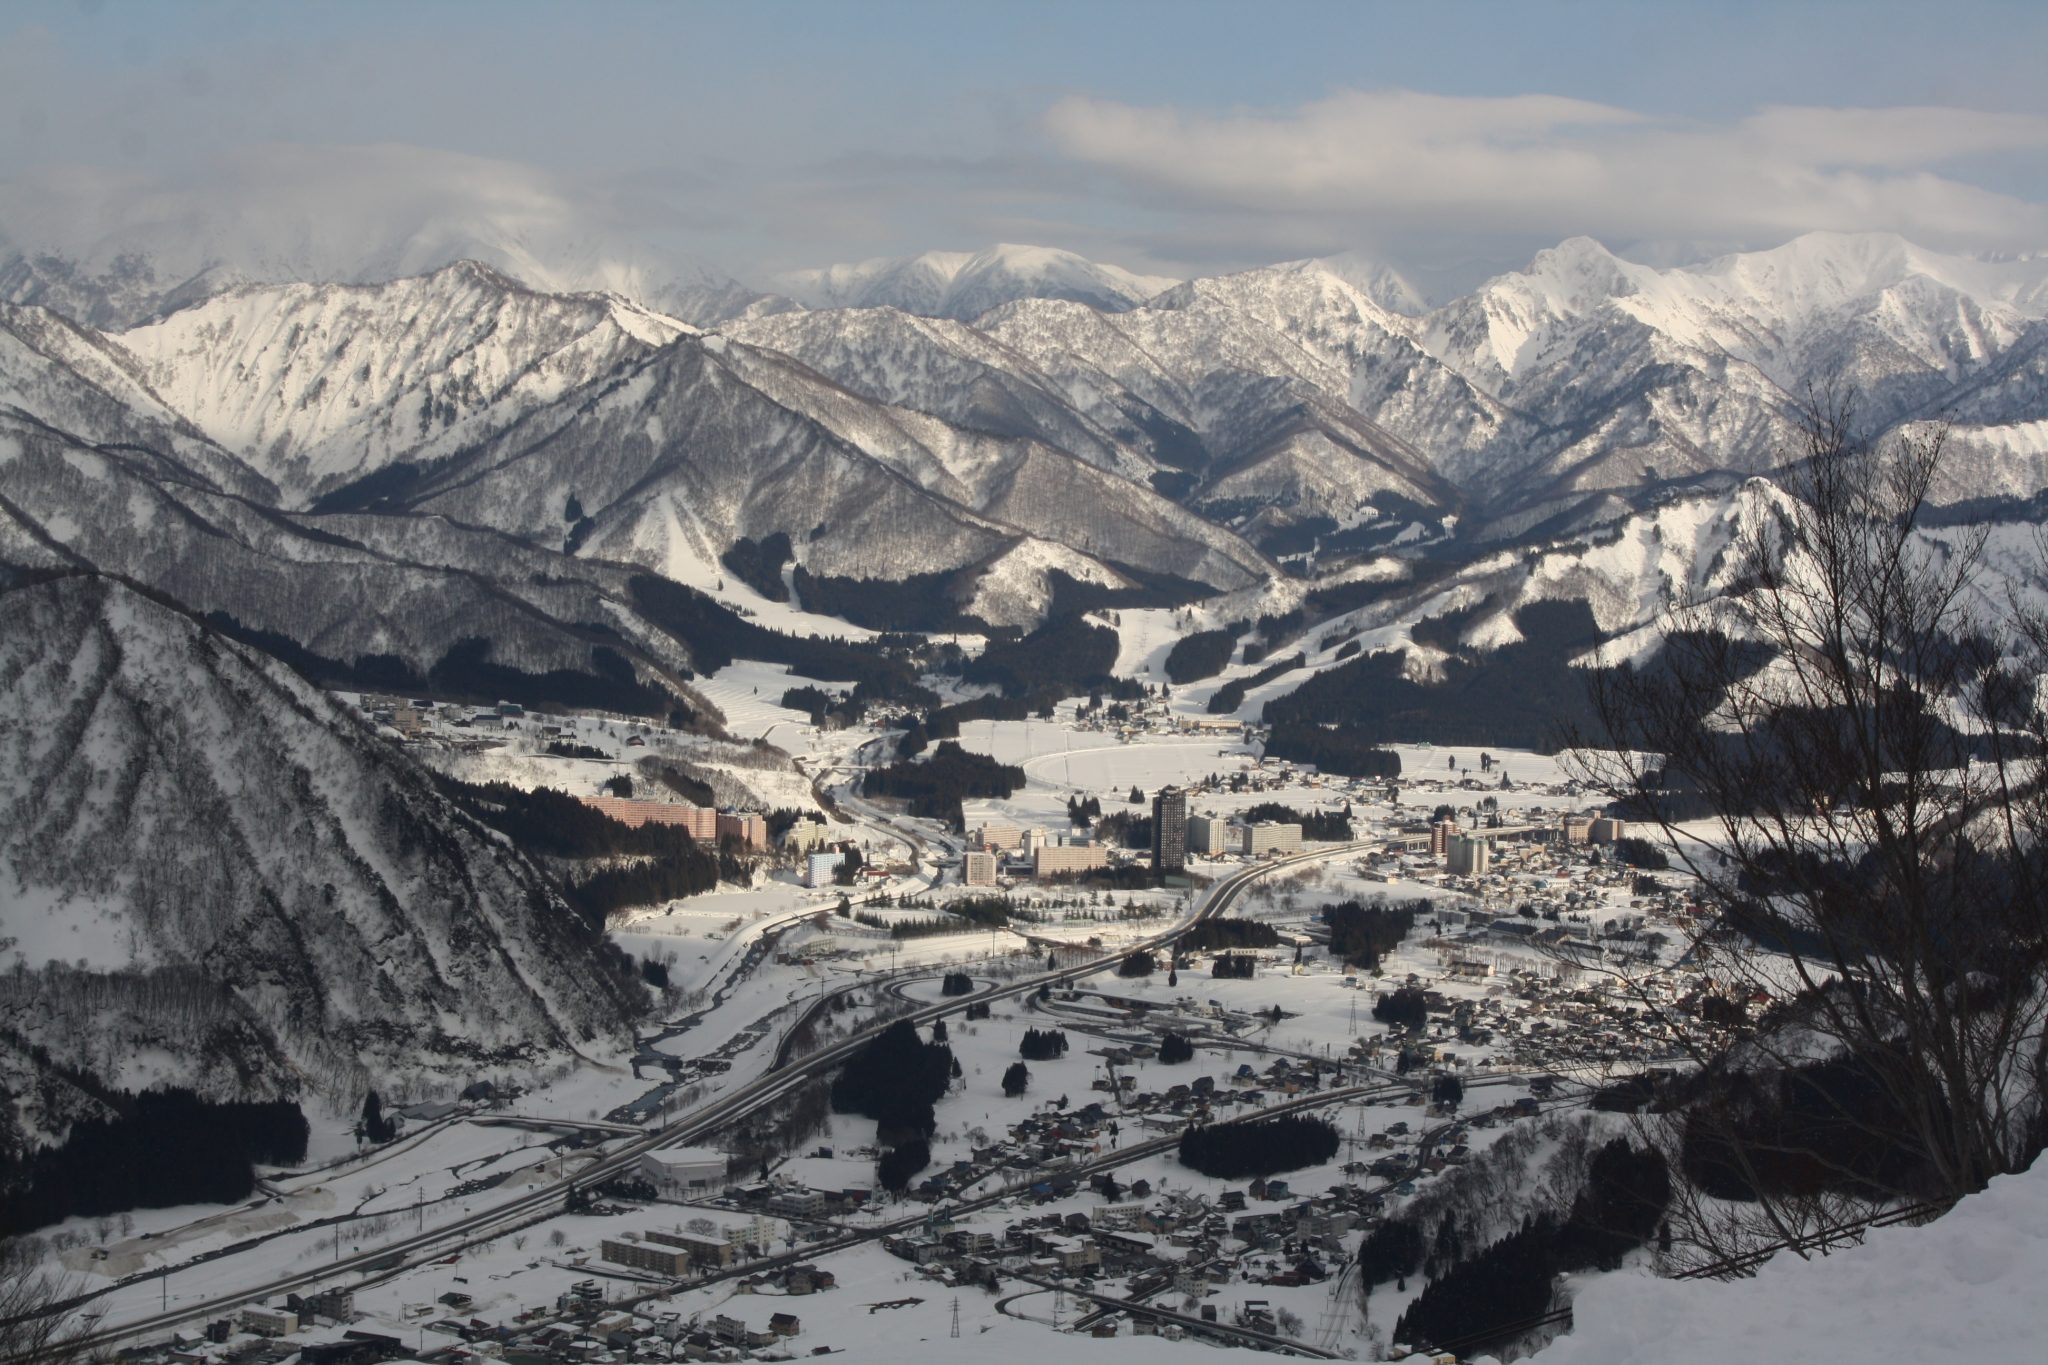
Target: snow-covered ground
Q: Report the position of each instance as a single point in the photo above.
(734, 999)
(1965, 1288)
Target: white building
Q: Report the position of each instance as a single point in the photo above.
(1208, 835)
(1468, 856)
(978, 869)
(1269, 836)
(819, 868)
(680, 1170)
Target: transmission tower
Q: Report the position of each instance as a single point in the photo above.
(956, 1315)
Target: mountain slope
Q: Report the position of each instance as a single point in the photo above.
(947, 369)
(179, 811)
(1263, 424)
(1641, 375)
(397, 595)
(62, 375)
(709, 440)
(320, 385)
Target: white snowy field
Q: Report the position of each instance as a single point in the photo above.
(1965, 1288)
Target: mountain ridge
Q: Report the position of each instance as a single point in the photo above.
(174, 800)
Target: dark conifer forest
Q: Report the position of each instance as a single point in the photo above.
(895, 1080)
(163, 1148)
(1235, 1150)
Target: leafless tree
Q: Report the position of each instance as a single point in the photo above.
(1843, 744)
(35, 1327)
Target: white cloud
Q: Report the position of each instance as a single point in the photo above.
(1396, 162)
(281, 211)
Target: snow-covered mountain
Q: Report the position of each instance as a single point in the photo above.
(1645, 374)
(216, 877)
(458, 479)
(583, 420)
(963, 285)
(997, 412)
(320, 385)
(394, 595)
(70, 378)
(708, 440)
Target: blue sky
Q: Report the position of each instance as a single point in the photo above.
(1177, 137)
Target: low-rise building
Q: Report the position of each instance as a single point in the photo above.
(995, 838)
(800, 1205)
(1270, 836)
(711, 1251)
(681, 1169)
(270, 1322)
(803, 837)
(673, 1262)
(1058, 859)
(745, 826)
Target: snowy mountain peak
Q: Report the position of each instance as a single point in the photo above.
(1378, 281)
(1825, 270)
(320, 384)
(964, 285)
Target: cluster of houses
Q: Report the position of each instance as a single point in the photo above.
(584, 1328)
(1529, 1020)
(1264, 1234)
(585, 1325)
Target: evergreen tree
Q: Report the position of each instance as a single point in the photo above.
(374, 1126)
(1042, 1045)
(901, 1162)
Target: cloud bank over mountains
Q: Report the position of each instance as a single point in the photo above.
(1424, 181)
(1407, 166)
